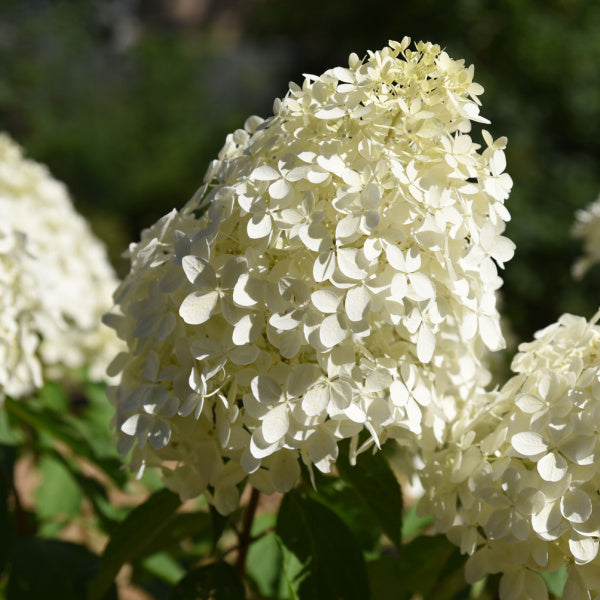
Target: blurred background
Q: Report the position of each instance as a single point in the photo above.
(127, 101)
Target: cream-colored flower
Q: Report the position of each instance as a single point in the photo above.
(55, 281)
(522, 488)
(314, 286)
(587, 228)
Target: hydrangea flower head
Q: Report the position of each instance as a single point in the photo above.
(527, 474)
(335, 273)
(55, 281)
(587, 228)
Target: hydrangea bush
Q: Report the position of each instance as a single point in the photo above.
(55, 281)
(518, 491)
(335, 274)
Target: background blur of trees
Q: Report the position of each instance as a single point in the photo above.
(127, 101)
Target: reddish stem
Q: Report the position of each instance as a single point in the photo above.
(245, 537)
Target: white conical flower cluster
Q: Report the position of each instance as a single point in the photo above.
(523, 477)
(587, 228)
(55, 281)
(336, 273)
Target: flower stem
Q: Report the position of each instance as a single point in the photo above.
(245, 537)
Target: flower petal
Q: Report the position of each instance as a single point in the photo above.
(332, 331)
(266, 390)
(576, 506)
(425, 343)
(276, 423)
(529, 443)
(198, 307)
(357, 303)
(552, 467)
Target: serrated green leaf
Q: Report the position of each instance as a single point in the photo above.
(555, 581)
(52, 569)
(377, 487)
(218, 581)
(131, 538)
(321, 559)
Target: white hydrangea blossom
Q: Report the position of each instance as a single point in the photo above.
(520, 491)
(587, 228)
(55, 281)
(336, 273)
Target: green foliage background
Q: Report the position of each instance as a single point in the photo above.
(130, 120)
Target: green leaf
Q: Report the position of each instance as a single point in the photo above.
(133, 536)
(428, 566)
(95, 416)
(65, 430)
(108, 515)
(58, 495)
(263, 522)
(219, 523)
(264, 565)
(385, 581)
(412, 524)
(321, 559)
(152, 480)
(265, 559)
(340, 497)
(54, 396)
(192, 526)
(431, 566)
(9, 435)
(52, 569)
(8, 455)
(218, 581)
(377, 487)
(164, 566)
(555, 581)
(94, 491)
